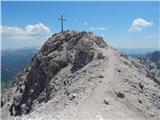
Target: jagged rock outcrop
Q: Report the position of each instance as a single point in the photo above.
(72, 75)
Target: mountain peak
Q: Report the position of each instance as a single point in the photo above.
(68, 48)
(73, 39)
(78, 74)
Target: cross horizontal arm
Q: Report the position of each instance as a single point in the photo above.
(61, 19)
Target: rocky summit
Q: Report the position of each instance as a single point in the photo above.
(76, 75)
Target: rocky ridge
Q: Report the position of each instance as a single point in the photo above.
(76, 75)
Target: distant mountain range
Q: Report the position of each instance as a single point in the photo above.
(152, 61)
(12, 61)
(137, 52)
(149, 57)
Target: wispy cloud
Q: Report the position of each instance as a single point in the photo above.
(30, 34)
(151, 36)
(85, 23)
(139, 24)
(97, 28)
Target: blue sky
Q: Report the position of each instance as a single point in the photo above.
(122, 24)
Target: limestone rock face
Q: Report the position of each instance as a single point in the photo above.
(76, 75)
(68, 48)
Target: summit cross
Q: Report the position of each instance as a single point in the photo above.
(62, 20)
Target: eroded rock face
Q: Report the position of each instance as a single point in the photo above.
(72, 48)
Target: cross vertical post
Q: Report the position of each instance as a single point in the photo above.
(62, 20)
